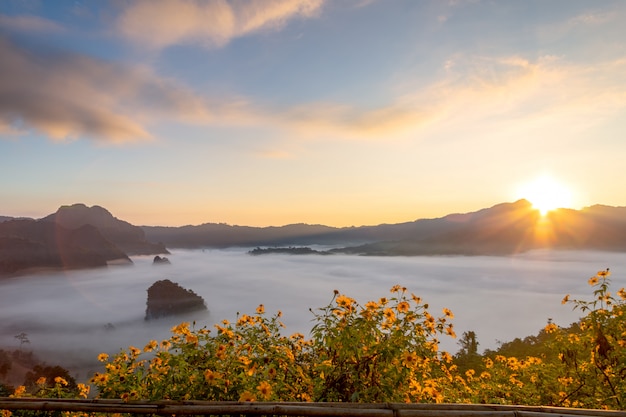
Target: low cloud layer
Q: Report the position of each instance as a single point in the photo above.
(67, 315)
(214, 23)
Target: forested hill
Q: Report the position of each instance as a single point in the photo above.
(74, 236)
(502, 229)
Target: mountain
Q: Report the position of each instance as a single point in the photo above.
(167, 298)
(503, 229)
(27, 244)
(130, 239)
(74, 236)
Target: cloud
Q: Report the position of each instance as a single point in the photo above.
(28, 23)
(67, 96)
(214, 23)
(352, 121)
(479, 91)
(582, 23)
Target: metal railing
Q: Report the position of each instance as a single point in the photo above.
(170, 408)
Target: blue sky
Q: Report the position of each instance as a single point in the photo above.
(270, 112)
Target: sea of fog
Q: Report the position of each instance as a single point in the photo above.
(69, 317)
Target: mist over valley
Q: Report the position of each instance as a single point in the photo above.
(71, 316)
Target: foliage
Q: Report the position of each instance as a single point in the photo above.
(384, 351)
(49, 373)
(245, 361)
(467, 357)
(592, 359)
(5, 362)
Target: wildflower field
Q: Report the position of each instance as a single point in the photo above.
(384, 350)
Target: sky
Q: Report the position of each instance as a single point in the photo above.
(273, 112)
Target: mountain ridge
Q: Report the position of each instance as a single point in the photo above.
(92, 236)
(502, 229)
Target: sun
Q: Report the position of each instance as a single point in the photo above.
(546, 194)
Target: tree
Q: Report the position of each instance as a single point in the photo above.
(23, 338)
(467, 357)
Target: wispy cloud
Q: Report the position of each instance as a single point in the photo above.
(480, 91)
(582, 22)
(160, 23)
(28, 23)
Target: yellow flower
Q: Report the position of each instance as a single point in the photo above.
(395, 288)
(403, 307)
(19, 391)
(448, 313)
(450, 331)
(305, 397)
(389, 315)
(246, 396)
(551, 328)
(565, 299)
(245, 320)
(59, 380)
(604, 273)
(622, 293)
(593, 281)
(433, 346)
(371, 305)
(265, 389)
(344, 301)
(210, 377)
(191, 338)
(225, 331)
(260, 309)
(150, 346)
(103, 357)
(83, 390)
(166, 345)
(181, 329)
(99, 378)
(41, 380)
(418, 300)
(134, 351)
(409, 359)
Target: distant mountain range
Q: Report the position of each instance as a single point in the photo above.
(80, 236)
(500, 230)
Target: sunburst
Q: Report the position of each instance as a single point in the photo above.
(546, 194)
